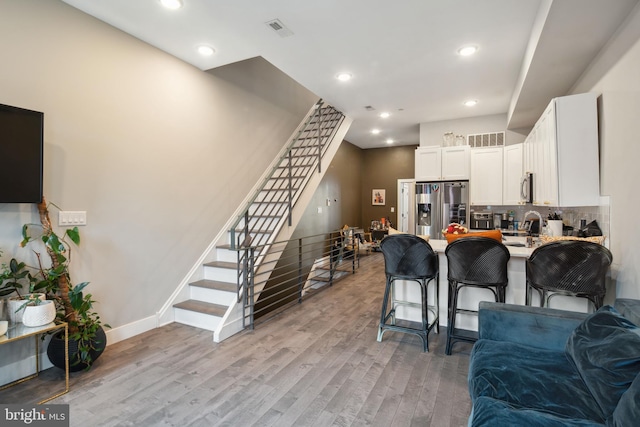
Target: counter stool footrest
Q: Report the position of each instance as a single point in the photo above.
(462, 335)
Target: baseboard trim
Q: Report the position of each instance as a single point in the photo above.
(131, 329)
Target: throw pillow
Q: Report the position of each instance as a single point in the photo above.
(626, 413)
(605, 349)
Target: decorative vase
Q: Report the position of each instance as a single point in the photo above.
(39, 315)
(16, 306)
(55, 351)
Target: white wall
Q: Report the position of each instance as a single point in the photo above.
(431, 133)
(614, 75)
(156, 151)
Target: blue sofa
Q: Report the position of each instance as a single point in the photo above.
(536, 366)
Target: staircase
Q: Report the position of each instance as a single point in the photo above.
(213, 300)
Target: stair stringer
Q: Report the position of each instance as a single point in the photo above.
(232, 321)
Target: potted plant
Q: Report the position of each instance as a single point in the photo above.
(38, 312)
(12, 278)
(87, 339)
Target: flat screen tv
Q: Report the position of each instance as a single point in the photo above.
(21, 155)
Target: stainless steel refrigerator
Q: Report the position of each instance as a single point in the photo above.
(440, 203)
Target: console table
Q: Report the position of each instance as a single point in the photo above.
(20, 332)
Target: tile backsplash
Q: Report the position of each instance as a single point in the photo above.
(570, 216)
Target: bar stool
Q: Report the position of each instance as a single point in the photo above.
(568, 267)
(478, 262)
(410, 258)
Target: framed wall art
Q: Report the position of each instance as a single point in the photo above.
(378, 197)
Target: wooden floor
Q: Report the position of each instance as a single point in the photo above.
(317, 364)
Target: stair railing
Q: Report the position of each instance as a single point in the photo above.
(292, 269)
(275, 199)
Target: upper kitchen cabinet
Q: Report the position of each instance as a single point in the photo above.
(512, 174)
(442, 163)
(486, 176)
(562, 153)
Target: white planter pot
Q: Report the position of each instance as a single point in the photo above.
(15, 313)
(39, 315)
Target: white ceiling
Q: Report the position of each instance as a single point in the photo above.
(402, 53)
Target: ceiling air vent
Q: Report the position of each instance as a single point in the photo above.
(492, 139)
(277, 26)
(369, 108)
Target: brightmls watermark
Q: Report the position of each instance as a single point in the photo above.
(34, 415)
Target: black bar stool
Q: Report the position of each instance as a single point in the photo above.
(568, 267)
(410, 258)
(478, 262)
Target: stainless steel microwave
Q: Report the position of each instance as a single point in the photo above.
(526, 188)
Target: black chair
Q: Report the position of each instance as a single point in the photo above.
(478, 262)
(410, 258)
(568, 267)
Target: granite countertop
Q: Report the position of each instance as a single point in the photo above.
(515, 251)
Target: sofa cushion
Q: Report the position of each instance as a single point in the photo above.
(628, 410)
(605, 349)
(489, 412)
(530, 377)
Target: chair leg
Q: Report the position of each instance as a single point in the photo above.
(453, 308)
(598, 302)
(383, 313)
(425, 315)
(436, 315)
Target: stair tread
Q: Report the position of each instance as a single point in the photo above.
(287, 177)
(253, 232)
(222, 264)
(255, 216)
(202, 307)
(215, 284)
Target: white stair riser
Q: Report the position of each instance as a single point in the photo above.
(220, 274)
(226, 255)
(260, 224)
(197, 319)
(214, 296)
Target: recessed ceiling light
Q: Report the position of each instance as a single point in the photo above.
(467, 50)
(343, 77)
(171, 4)
(389, 141)
(205, 50)
(375, 131)
(384, 115)
(470, 103)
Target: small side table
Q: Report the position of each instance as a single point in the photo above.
(20, 332)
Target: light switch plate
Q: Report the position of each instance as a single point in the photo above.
(72, 218)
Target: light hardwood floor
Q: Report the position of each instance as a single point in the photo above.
(316, 364)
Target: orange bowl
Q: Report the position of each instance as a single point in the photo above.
(492, 234)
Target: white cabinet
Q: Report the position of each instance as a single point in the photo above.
(485, 182)
(512, 174)
(428, 164)
(442, 163)
(562, 153)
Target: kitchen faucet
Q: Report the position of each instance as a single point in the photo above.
(540, 224)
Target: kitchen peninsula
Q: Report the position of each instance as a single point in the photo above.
(470, 297)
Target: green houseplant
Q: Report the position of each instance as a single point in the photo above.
(13, 277)
(87, 339)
